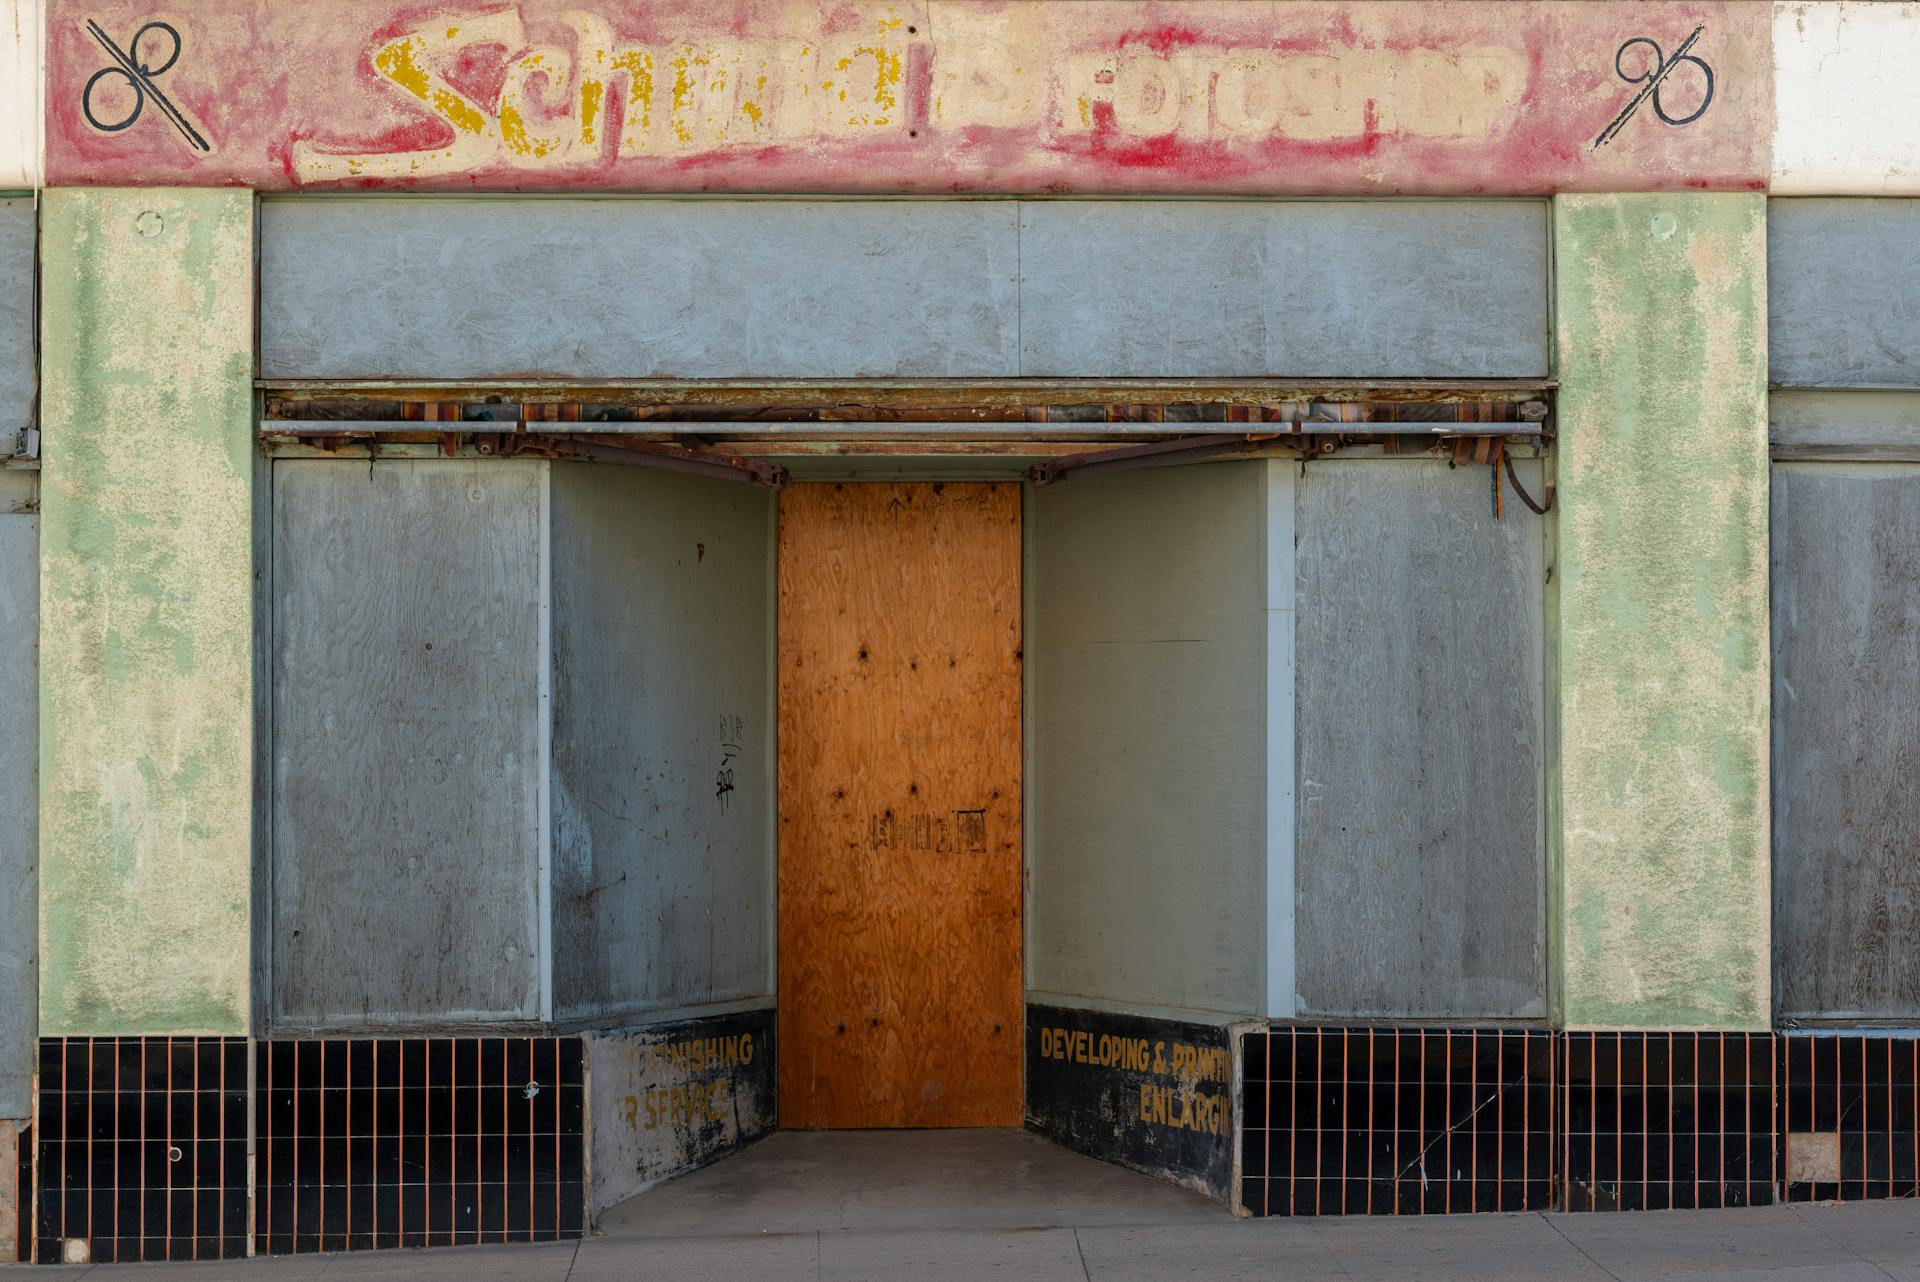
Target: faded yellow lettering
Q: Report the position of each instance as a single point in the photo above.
(558, 106)
(553, 68)
(402, 62)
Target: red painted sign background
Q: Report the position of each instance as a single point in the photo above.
(936, 96)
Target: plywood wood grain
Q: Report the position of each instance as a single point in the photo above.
(1846, 740)
(1187, 289)
(406, 704)
(18, 378)
(497, 287)
(19, 814)
(1420, 873)
(662, 779)
(899, 669)
(1841, 276)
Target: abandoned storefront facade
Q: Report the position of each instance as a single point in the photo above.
(1315, 599)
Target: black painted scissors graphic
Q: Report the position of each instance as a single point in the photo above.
(139, 73)
(1651, 82)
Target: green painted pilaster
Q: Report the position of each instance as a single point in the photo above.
(1663, 652)
(146, 614)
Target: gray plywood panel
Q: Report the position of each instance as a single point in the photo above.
(407, 705)
(662, 773)
(18, 373)
(1420, 868)
(637, 288)
(1843, 292)
(1294, 288)
(19, 808)
(1846, 740)
(1147, 833)
(1867, 420)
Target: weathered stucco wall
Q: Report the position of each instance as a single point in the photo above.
(146, 696)
(1846, 77)
(1663, 610)
(1305, 96)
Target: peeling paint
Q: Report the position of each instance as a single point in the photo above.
(1152, 1094)
(20, 93)
(1663, 640)
(1846, 98)
(1313, 96)
(672, 1097)
(146, 612)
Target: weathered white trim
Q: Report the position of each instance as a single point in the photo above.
(21, 68)
(1846, 88)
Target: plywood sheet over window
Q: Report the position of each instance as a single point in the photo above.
(1148, 704)
(1348, 289)
(638, 288)
(1841, 279)
(900, 838)
(407, 754)
(596, 289)
(1846, 740)
(662, 761)
(19, 809)
(18, 374)
(1420, 872)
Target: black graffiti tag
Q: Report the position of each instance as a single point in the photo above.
(1653, 80)
(139, 71)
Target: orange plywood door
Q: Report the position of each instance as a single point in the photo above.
(900, 868)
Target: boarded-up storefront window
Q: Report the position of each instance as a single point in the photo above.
(1846, 739)
(1420, 875)
(407, 755)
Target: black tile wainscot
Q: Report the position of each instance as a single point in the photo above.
(142, 1149)
(1152, 1094)
(1660, 1121)
(1850, 1115)
(368, 1144)
(1396, 1120)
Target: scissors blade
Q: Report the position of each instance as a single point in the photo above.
(1647, 89)
(143, 84)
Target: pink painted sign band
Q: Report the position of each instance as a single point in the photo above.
(1289, 97)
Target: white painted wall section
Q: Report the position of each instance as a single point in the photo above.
(1846, 98)
(1278, 622)
(20, 93)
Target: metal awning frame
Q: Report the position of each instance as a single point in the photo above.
(974, 396)
(736, 429)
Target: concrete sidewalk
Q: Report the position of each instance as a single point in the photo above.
(933, 1206)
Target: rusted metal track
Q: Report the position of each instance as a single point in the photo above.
(1127, 458)
(761, 433)
(672, 458)
(954, 397)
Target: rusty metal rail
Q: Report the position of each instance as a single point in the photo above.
(761, 432)
(972, 395)
(735, 428)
